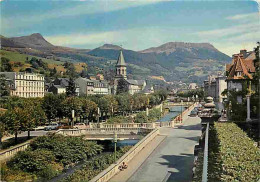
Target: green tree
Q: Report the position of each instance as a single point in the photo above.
(14, 120)
(3, 127)
(71, 89)
(122, 86)
(4, 86)
(33, 114)
(5, 65)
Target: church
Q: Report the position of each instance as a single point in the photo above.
(133, 86)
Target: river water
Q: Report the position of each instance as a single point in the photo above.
(175, 110)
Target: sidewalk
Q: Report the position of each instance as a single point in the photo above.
(138, 160)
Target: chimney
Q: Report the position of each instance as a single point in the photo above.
(243, 52)
(234, 58)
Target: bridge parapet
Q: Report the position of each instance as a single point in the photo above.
(103, 131)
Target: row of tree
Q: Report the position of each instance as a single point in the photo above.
(25, 114)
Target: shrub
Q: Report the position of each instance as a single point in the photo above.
(238, 156)
(94, 166)
(141, 117)
(31, 161)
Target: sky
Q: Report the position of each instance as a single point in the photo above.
(136, 25)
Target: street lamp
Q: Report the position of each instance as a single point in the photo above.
(181, 109)
(72, 116)
(98, 112)
(115, 141)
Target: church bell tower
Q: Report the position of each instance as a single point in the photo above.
(121, 67)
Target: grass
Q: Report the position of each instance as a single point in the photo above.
(16, 57)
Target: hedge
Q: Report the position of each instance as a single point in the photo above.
(238, 157)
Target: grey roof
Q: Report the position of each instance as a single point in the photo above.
(136, 82)
(148, 88)
(121, 60)
(8, 75)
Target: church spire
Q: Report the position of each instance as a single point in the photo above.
(121, 67)
(121, 60)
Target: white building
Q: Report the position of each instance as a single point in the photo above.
(214, 87)
(25, 84)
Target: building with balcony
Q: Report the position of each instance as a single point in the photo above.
(23, 84)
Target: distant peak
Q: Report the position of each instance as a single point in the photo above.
(38, 35)
(172, 46)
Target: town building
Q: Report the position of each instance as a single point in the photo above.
(192, 86)
(92, 87)
(59, 86)
(23, 84)
(214, 86)
(134, 86)
(240, 73)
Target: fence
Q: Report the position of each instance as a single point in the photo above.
(205, 158)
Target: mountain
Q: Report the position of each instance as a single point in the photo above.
(34, 41)
(173, 60)
(188, 62)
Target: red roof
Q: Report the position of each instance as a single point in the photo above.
(240, 68)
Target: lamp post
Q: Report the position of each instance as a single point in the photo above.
(115, 141)
(72, 117)
(181, 109)
(98, 113)
(248, 108)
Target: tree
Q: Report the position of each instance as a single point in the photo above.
(3, 127)
(122, 86)
(71, 72)
(89, 108)
(124, 103)
(71, 89)
(13, 120)
(83, 73)
(33, 114)
(5, 65)
(4, 86)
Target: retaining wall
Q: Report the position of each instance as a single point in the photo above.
(8, 153)
(114, 168)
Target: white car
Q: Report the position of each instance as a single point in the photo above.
(52, 126)
(80, 126)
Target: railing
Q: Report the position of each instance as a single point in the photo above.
(205, 158)
(79, 132)
(8, 153)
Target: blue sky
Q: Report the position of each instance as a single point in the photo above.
(137, 25)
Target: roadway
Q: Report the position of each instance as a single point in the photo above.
(165, 159)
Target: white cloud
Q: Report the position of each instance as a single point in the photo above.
(234, 30)
(244, 16)
(87, 7)
(135, 39)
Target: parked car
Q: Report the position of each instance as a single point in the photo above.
(80, 126)
(52, 126)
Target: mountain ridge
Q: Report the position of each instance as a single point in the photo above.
(173, 60)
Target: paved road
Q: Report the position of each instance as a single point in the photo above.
(172, 160)
(24, 134)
